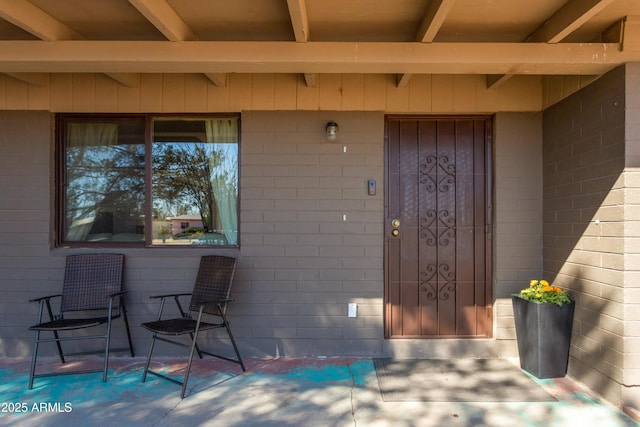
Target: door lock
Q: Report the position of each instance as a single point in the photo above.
(395, 223)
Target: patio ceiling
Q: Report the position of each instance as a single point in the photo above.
(497, 38)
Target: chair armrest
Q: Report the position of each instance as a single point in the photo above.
(211, 302)
(45, 298)
(169, 295)
(117, 293)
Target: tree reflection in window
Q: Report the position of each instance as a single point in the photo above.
(195, 175)
(104, 181)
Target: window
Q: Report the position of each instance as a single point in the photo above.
(147, 180)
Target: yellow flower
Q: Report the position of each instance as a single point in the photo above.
(542, 292)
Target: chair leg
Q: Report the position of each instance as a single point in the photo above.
(233, 341)
(126, 325)
(55, 333)
(193, 348)
(146, 366)
(106, 351)
(33, 359)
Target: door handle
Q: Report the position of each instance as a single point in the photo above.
(395, 232)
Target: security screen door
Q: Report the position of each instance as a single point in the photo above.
(438, 227)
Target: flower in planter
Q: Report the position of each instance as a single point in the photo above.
(541, 291)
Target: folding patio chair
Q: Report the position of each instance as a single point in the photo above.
(92, 295)
(209, 301)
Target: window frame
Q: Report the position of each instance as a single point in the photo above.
(60, 179)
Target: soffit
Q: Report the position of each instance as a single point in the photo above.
(315, 36)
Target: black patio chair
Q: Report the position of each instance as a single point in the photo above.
(209, 301)
(92, 295)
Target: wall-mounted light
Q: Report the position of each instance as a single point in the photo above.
(332, 131)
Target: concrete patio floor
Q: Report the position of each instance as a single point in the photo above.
(273, 392)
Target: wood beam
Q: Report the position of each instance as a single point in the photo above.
(33, 79)
(34, 20)
(402, 80)
(436, 14)
(165, 19)
(218, 79)
(631, 34)
(495, 81)
(125, 79)
(567, 19)
(310, 79)
(299, 20)
(311, 57)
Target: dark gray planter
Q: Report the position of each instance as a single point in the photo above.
(544, 336)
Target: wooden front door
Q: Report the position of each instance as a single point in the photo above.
(438, 227)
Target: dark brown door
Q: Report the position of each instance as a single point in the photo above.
(437, 227)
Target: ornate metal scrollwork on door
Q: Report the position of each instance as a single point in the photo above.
(438, 282)
(437, 173)
(438, 233)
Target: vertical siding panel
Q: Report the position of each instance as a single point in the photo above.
(375, 93)
(263, 96)
(285, 88)
(308, 97)
(83, 94)
(330, 96)
(149, 96)
(61, 88)
(443, 88)
(420, 93)
(16, 94)
(240, 92)
(39, 96)
(397, 98)
(106, 94)
(173, 93)
(218, 97)
(195, 93)
(465, 93)
(353, 92)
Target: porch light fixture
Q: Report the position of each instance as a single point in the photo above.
(332, 131)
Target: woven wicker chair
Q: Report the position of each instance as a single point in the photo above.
(210, 297)
(91, 296)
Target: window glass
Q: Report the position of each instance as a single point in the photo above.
(195, 181)
(104, 192)
(187, 196)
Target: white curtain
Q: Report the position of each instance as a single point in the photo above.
(89, 142)
(223, 134)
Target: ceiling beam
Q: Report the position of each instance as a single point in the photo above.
(310, 79)
(34, 20)
(218, 79)
(437, 12)
(562, 23)
(434, 18)
(165, 19)
(300, 24)
(311, 57)
(125, 79)
(567, 19)
(402, 80)
(33, 79)
(631, 33)
(299, 20)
